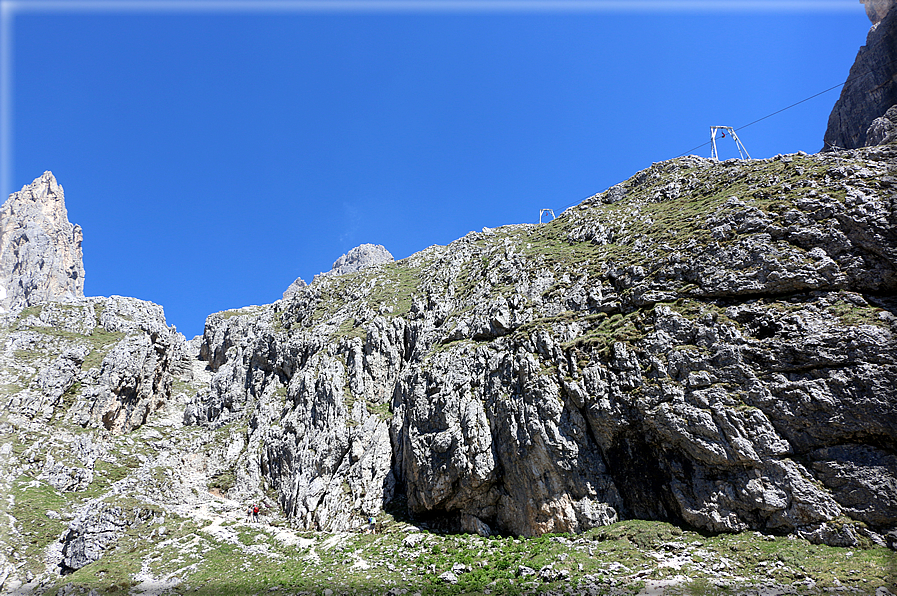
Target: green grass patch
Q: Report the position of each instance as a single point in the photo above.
(852, 315)
(32, 500)
(223, 481)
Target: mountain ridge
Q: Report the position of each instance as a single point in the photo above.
(686, 383)
(707, 344)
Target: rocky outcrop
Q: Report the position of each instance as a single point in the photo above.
(40, 251)
(101, 362)
(707, 343)
(871, 87)
(883, 130)
(88, 536)
(364, 255)
(876, 10)
(297, 285)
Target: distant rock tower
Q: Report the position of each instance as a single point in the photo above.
(40, 251)
(361, 257)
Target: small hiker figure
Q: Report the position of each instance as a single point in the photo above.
(372, 525)
(249, 513)
(255, 513)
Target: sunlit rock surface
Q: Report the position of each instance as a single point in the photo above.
(40, 251)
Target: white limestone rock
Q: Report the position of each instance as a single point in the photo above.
(360, 257)
(40, 251)
(295, 287)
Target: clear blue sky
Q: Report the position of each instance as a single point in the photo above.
(211, 157)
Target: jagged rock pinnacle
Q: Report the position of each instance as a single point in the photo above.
(40, 251)
(297, 285)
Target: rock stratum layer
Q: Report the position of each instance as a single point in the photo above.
(871, 86)
(40, 251)
(706, 343)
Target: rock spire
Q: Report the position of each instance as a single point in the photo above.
(40, 251)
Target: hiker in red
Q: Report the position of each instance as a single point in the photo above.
(255, 513)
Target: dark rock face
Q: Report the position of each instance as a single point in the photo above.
(708, 343)
(871, 88)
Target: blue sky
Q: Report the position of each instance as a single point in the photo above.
(212, 155)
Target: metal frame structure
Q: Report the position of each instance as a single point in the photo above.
(741, 150)
(545, 212)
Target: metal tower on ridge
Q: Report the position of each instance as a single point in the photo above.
(726, 129)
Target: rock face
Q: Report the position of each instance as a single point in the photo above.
(884, 129)
(40, 251)
(876, 10)
(94, 362)
(360, 257)
(706, 343)
(871, 87)
(297, 285)
(73, 376)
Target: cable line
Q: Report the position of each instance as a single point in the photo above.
(768, 116)
(849, 78)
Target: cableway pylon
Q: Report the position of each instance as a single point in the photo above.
(726, 129)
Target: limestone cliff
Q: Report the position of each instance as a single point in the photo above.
(93, 362)
(707, 343)
(40, 251)
(871, 86)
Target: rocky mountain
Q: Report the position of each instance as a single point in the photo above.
(706, 343)
(871, 87)
(687, 383)
(706, 346)
(40, 251)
